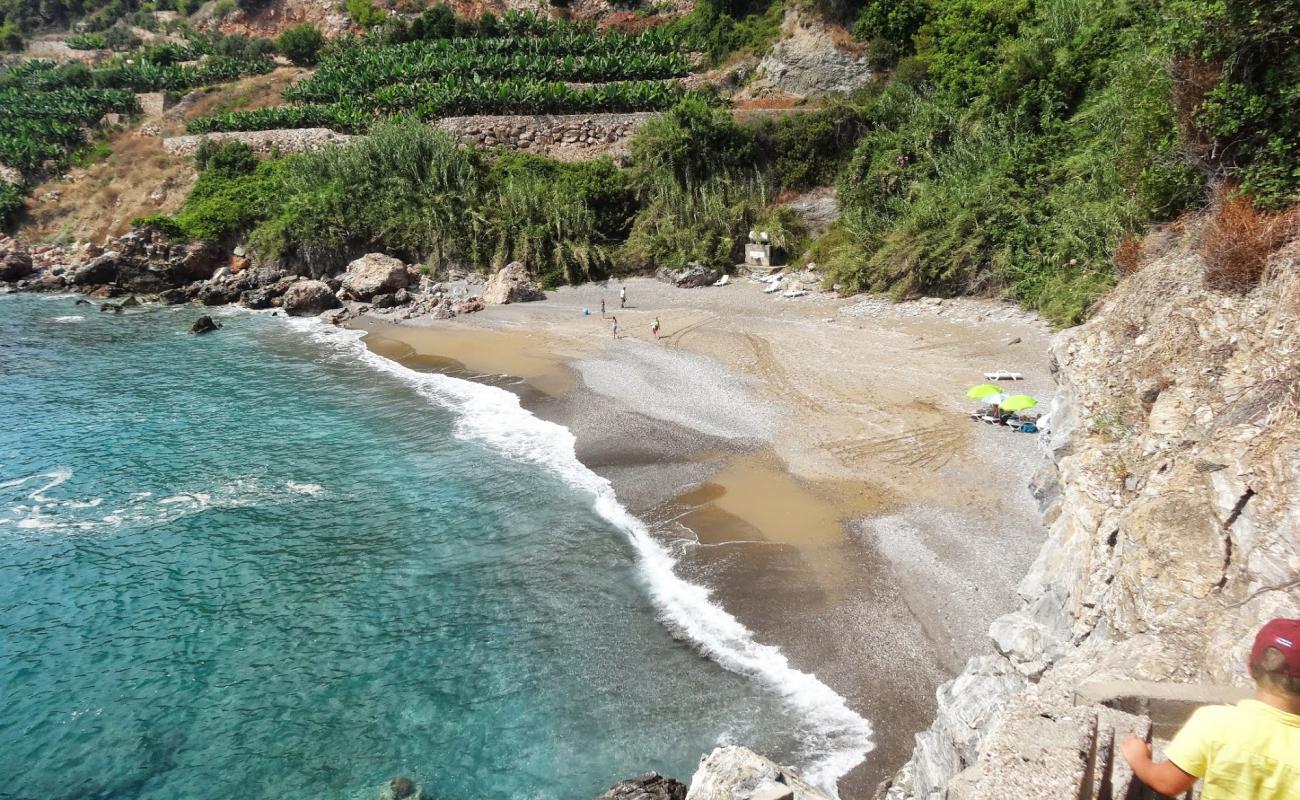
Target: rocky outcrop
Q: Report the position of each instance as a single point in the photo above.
(650, 786)
(512, 284)
(372, 274)
(307, 298)
(402, 788)
(738, 773)
(1173, 499)
(807, 62)
(691, 276)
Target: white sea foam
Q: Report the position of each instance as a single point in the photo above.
(69, 318)
(492, 415)
(309, 489)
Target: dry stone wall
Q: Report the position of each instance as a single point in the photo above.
(569, 137)
(299, 140)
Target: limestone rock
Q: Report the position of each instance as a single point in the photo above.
(512, 284)
(372, 274)
(650, 786)
(692, 276)
(204, 324)
(738, 773)
(307, 298)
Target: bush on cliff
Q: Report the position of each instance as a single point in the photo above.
(1027, 140)
(302, 44)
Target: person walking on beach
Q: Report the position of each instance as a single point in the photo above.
(602, 308)
(614, 326)
(622, 297)
(654, 329)
(1250, 750)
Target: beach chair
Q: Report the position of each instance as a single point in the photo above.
(1003, 376)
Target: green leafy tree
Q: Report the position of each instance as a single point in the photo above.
(302, 44)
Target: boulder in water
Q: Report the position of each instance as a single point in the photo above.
(307, 298)
(112, 307)
(204, 324)
(372, 274)
(512, 284)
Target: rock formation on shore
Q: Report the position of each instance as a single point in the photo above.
(1173, 498)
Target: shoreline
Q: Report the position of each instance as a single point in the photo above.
(879, 587)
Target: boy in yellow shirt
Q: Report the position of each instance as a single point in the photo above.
(1250, 751)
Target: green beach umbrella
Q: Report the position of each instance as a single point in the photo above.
(1018, 402)
(982, 391)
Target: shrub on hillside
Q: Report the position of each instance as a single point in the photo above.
(302, 44)
(365, 13)
(1239, 238)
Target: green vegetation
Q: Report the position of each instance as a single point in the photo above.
(356, 69)
(697, 183)
(47, 126)
(302, 44)
(363, 80)
(87, 41)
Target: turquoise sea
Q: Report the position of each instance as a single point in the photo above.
(267, 563)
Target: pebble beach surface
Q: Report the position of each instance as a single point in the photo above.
(809, 460)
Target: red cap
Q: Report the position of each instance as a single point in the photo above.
(1283, 634)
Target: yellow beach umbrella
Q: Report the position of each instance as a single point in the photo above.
(1018, 402)
(983, 390)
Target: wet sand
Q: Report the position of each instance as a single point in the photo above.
(815, 454)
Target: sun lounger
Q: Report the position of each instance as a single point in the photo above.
(1003, 376)
(795, 293)
(772, 287)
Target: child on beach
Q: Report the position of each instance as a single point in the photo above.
(614, 326)
(654, 329)
(1250, 750)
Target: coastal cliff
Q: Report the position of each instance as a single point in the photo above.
(1173, 500)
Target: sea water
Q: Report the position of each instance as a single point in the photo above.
(266, 563)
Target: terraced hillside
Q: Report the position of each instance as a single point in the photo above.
(558, 70)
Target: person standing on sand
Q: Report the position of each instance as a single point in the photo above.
(602, 308)
(622, 297)
(614, 326)
(1250, 750)
(654, 329)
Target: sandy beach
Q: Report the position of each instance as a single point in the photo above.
(810, 460)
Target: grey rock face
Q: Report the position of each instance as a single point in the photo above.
(1173, 512)
(372, 274)
(807, 63)
(307, 298)
(738, 773)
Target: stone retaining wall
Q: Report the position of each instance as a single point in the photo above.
(570, 137)
(155, 104)
(286, 141)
